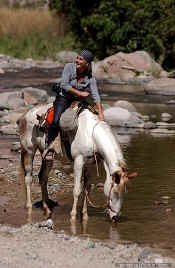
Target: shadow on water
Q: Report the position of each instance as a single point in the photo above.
(148, 211)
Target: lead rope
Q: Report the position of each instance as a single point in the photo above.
(95, 156)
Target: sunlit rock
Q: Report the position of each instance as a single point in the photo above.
(117, 116)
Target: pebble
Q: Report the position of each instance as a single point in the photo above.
(165, 197)
(48, 224)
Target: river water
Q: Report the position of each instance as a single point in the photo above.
(148, 211)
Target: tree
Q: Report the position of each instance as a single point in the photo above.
(107, 27)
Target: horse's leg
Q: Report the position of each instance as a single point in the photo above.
(27, 166)
(78, 166)
(46, 166)
(84, 211)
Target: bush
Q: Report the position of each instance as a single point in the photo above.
(30, 33)
(107, 27)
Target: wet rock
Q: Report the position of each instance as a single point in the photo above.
(28, 99)
(34, 95)
(100, 185)
(165, 197)
(3, 107)
(9, 130)
(1, 71)
(3, 113)
(162, 125)
(126, 105)
(171, 102)
(149, 125)
(4, 120)
(15, 102)
(105, 106)
(165, 125)
(145, 118)
(48, 224)
(171, 74)
(166, 117)
(117, 116)
(9, 96)
(162, 86)
(160, 131)
(168, 210)
(16, 146)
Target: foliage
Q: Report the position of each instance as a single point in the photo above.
(31, 33)
(35, 45)
(107, 27)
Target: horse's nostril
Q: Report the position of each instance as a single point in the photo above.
(114, 219)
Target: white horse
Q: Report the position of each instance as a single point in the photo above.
(93, 138)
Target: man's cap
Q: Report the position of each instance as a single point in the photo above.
(87, 55)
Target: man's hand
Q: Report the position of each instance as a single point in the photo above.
(83, 94)
(78, 93)
(101, 116)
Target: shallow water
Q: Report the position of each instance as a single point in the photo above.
(148, 211)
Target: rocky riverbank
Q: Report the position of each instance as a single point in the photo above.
(40, 244)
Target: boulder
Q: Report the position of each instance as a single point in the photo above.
(124, 67)
(162, 86)
(34, 95)
(10, 129)
(15, 103)
(117, 116)
(125, 104)
(6, 97)
(160, 132)
(165, 117)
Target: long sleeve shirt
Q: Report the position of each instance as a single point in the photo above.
(69, 81)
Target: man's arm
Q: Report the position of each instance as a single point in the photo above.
(100, 111)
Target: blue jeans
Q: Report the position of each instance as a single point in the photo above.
(60, 105)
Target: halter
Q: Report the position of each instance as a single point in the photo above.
(108, 206)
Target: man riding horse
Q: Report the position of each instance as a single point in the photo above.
(77, 84)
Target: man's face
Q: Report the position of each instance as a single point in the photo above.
(81, 63)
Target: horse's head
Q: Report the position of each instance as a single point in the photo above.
(120, 179)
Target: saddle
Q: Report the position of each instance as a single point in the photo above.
(46, 119)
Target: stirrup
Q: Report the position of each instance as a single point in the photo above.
(50, 154)
(49, 148)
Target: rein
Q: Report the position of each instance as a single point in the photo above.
(108, 206)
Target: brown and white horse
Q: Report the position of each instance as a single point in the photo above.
(91, 138)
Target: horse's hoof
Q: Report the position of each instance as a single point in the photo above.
(85, 218)
(51, 204)
(73, 218)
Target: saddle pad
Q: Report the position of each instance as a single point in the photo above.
(69, 120)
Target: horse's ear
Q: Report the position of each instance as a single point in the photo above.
(132, 175)
(38, 117)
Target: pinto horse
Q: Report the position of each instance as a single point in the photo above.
(91, 137)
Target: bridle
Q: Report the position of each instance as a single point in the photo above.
(108, 206)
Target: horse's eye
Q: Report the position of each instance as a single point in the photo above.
(117, 178)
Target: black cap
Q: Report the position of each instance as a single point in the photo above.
(87, 55)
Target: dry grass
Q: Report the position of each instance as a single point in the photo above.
(21, 21)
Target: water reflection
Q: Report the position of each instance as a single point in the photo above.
(146, 218)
